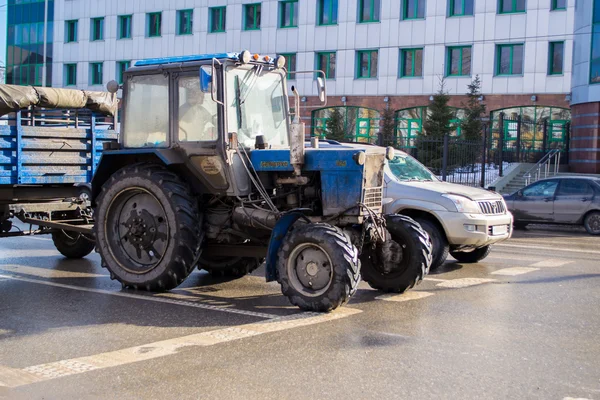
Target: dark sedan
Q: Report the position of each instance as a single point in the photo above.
(572, 200)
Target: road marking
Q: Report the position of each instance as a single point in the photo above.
(47, 272)
(518, 246)
(407, 296)
(143, 297)
(434, 279)
(18, 377)
(35, 237)
(464, 282)
(12, 253)
(514, 271)
(551, 263)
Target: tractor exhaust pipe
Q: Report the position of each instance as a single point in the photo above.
(297, 138)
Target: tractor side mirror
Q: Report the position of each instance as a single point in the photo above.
(321, 89)
(112, 86)
(205, 79)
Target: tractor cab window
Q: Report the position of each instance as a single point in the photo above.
(197, 112)
(146, 122)
(256, 106)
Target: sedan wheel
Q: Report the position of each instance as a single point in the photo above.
(592, 223)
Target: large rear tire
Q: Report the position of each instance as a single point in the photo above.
(73, 244)
(402, 262)
(438, 240)
(318, 267)
(472, 256)
(147, 228)
(234, 267)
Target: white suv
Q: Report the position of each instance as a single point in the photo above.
(461, 220)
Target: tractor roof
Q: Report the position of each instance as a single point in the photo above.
(181, 59)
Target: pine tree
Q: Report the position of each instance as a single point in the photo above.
(387, 127)
(471, 125)
(438, 122)
(334, 128)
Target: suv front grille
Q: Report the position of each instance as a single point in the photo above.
(492, 207)
(373, 198)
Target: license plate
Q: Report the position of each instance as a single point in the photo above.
(499, 230)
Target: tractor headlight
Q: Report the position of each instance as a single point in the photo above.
(245, 57)
(389, 153)
(360, 158)
(280, 62)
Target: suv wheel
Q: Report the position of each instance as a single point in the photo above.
(438, 240)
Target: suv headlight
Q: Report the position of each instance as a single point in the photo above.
(463, 204)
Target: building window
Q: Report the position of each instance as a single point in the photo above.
(122, 66)
(458, 61)
(511, 6)
(556, 58)
(71, 31)
(96, 73)
(366, 64)
(251, 16)
(290, 64)
(70, 74)
(185, 22)
(411, 63)
(414, 9)
(153, 24)
(459, 8)
(328, 12)
(124, 27)
(217, 19)
(595, 58)
(326, 63)
(97, 29)
(509, 59)
(559, 5)
(288, 14)
(368, 10)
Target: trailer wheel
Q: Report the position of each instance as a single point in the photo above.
(147, 227)
(402, 262)
(73, 244)
(318, 267)
(235, 267)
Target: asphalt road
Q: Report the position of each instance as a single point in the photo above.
(524, 324)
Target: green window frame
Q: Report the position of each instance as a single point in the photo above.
(556, 58)
(122, 66)
(288, 14)
(413, 9)
(290, 64)
(558, 5)
(125, 25)
(153, 24)
(512, 6)
(327, 12)
(510, 67)
(217, 19)
(595, 50)
(458, 60)
(411, 62)
(325, 61)
(70, 74)
(252, 14)
(185, 22)
(97, 29)
(96, 73)
(461, 8)
(71, 31)
(368, 10)
(366, 64)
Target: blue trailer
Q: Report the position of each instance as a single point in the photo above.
(47, 160)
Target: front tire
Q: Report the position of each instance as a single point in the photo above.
(472, 256)
(592, 223)
(318, 267)
(73, 244)
(408, 253)
(147, 227)
(438, 240)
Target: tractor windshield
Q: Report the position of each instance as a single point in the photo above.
(256, 105)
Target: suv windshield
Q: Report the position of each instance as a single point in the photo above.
(406, 168)
(256, 105)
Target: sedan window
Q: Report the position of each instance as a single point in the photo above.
(546, 188)
(574, 187)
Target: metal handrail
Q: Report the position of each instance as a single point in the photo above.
(544, 167)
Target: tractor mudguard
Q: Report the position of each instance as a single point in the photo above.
(281, 229)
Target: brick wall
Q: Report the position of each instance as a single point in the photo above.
(584, 154)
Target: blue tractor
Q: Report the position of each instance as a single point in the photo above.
(213, 171)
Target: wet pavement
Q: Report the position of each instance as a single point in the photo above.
(523, 323)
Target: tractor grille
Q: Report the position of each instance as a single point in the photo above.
(492, 207)
(373, 198)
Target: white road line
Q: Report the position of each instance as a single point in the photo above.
(514, 271)
(464, 282)
(18, 377)
(407, 296)
(47, 272)
(35, 237)
(13, 253)
(434, 279)
(143, 297)
(551, 263)
(518, 246)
